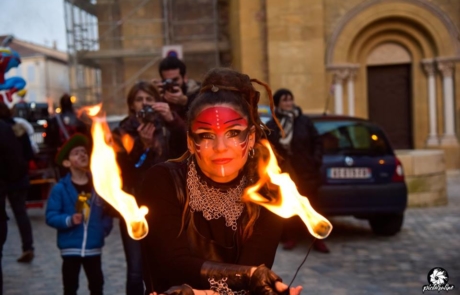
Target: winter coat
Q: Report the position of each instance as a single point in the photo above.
(193, 89)
(85, 239)
(172, 143)
(30, 131)
(305, 159)
(26, 151)
(12, 164)
(56, 135)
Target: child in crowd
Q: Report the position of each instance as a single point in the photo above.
(77, 212)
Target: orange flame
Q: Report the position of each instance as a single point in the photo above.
(91, 111)
(107, 177)
(128, 142)
(289, 202)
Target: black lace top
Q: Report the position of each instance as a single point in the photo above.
(170, 259)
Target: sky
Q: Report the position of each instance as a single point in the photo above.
(37, 21)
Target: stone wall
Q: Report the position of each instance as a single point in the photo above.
(334, 10)
(128, 27)
(295, 37)
(425, 173)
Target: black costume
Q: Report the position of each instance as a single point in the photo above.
(174, 259)
(304, 158)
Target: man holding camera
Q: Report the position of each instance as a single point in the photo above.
(175, 87)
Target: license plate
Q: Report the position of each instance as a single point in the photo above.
(349, 173)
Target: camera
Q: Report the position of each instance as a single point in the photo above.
(148, 115)
(168, 85)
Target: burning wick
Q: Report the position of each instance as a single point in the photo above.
(289, 201)
(107, 177)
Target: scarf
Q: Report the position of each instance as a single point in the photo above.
(287, 122)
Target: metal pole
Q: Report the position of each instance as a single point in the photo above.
(71, 46)
(167, 39)
(216, 31)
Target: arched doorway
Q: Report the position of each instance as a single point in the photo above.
(424, 34)
(389, 92)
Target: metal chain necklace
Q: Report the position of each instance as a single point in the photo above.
(213, 202)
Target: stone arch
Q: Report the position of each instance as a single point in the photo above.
(417, 25)
(388, 53)
(438, 30)
(418, 83)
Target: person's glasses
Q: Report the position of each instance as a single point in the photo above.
(232, 137)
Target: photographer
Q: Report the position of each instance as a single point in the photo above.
(157, 134)
(175, 87)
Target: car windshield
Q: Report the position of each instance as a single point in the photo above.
(352, 137)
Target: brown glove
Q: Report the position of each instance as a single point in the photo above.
(238, 277)
(263, 281)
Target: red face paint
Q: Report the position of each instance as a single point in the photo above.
(217, 119)
(221, 138)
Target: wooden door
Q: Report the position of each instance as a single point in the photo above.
(389, 102)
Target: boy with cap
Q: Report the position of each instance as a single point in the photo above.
(77, 212)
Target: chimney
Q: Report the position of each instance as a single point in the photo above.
(54, 44)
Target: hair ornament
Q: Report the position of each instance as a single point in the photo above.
(216, 88)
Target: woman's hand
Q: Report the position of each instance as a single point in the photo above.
(282, 288)
(183, 289)
(145, 132)
(263, 281)
(164, 110)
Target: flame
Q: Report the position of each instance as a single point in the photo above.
(107, 177)
(91, 111)
(128, 142)
(289, 201)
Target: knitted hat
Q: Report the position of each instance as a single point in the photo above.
(279, 93)
(76, 140)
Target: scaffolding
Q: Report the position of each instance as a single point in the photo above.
(114, 43)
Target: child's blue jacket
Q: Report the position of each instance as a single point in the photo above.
(85, 239)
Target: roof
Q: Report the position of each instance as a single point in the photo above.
(28, 49)
(333, 117)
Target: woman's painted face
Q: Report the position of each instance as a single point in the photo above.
(142, 98)
(286, 103)
(221, 139)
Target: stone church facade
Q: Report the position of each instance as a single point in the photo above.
(396, 62)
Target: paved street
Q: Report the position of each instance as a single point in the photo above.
(360, 263)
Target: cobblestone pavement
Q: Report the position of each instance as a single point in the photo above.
(359, 262)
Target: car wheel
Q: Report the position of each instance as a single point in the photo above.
(386, 225)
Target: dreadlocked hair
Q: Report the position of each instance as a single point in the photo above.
(226, 86)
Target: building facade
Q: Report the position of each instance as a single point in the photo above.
(396, 62)
(44, 69)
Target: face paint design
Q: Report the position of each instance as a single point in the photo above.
(216, 123)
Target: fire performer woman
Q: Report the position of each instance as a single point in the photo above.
(202, 236)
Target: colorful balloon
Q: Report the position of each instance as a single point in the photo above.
(10, 59)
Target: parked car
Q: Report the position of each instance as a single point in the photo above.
(361, 175)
